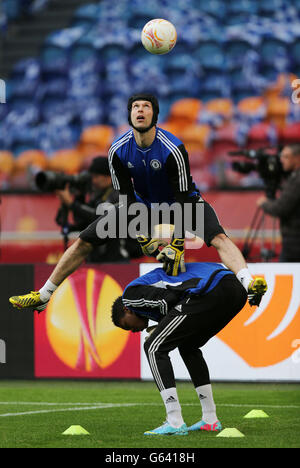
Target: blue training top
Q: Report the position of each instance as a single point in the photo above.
(158, 172)
(199, 278)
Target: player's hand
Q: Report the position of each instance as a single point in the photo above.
(172, 257)
(256, 290)
(150, 247)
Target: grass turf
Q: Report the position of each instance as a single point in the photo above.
(33, 414)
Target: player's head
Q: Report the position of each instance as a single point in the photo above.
(100, 173)
(124, 318)
(290, 157)
(143, 110)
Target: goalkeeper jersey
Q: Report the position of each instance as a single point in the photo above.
(156, 174)
(155, 293)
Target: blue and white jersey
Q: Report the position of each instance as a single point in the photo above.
(156, 174)
(152, 294)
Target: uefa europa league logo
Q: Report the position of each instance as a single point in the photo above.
(2, 92)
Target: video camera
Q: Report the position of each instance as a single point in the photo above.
(266, 162)
(49, 181)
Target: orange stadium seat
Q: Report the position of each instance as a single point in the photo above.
(67, 160)
(252, 107)
(185, 111)
(195, 137)
(31, 158)
(96, 139)
(222, 106)
(277, 110)
(7, 162)
(283, 81)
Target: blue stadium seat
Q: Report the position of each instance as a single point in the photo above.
(90, 111)
(210, 55)
(214, 86)
(274, 53)
(269, 8)
(86, 15)
(54, 55)
(214, 8)
(236, 50)
(295, 53)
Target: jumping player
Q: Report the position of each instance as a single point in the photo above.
(150, 165)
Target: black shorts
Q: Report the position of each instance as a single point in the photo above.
(200, 317)
(212, 227)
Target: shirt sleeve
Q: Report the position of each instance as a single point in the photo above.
(150, 298)
(179, 175)
(120, 177)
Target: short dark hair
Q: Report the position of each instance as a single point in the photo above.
(100, 165)
(295, 149)
(117, 311)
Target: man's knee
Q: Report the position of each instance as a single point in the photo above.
(220, 240)
(82, 247)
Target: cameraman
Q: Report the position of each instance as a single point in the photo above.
(84, 213)
(287, 206)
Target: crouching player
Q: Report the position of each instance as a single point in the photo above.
(190, 309)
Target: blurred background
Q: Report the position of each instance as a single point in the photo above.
(68, 67)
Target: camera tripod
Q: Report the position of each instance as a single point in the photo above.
(257, 229)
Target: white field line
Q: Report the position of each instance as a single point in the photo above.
(95, 406)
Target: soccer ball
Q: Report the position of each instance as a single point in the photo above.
(159, 36)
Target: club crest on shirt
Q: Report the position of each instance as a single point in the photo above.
(155, 164)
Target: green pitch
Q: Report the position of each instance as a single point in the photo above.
(116, 414)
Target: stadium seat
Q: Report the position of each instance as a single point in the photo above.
(7, 162)
(215, 86)
(96, 138)
(274, 53)
(215, 8)
(185, 110)
(290, 133)
(31, 158)
(278, 110)
(210, 55)
(67, 160)
(221, 107)
(195, 137)
(86, 15)
(235, 51)
(252, 109)
(262, 134)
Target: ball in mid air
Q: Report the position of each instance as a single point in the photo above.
(159, 36)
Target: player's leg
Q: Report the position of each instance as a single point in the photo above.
(198, 370)
(231, 256)
(69, 262)
(157, 348)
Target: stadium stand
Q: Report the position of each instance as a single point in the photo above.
(226, 85)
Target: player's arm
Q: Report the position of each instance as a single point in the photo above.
(122, 182)
(147, 298)
(121, 179)
(178, 173)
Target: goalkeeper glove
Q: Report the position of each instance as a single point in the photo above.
(172, 257)
(150, 247)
